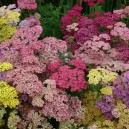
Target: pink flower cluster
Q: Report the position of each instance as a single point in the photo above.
(93, 2)
(71, 78)
(107, 20)
(96, 43)
(94, 51)
(123, 52)
(26, 83)
(72, 16)
(50, 47)
(27, 4)
(29, 22)
(59, 108)
(121, 31)
(76, 26)
(63, 107)
(52, 67)
(29, 56)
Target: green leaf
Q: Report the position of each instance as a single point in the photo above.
(92, 9)
(61, 2)
(98, 9)
(108, 5)
(86, 127)
(118, 4)
(69, 4)
(73, 126)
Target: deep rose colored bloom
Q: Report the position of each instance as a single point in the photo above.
(78, 63)
(77, 7)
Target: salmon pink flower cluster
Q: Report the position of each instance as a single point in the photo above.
(27, 4)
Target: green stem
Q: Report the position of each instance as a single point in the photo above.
(61, 2)
(125, 2)
(92, 10)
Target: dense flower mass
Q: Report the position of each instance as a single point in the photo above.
(77, 28)
(68, 78)
(100, 75)
(5, 66)
(27, 4)
(79, 82)
(9, 17)
(8, 95)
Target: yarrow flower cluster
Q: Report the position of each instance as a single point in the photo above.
(78, 27)
(100, 76)
(8, 95)
(29, 22)
(68, 78)
(81, 80)
(121, 31)
(29, 4)
(92, 113)
(9, 17)
(107, 20)
(5, 66)
(106, 90)
(97, 44)
(13, 120)
(63, 108)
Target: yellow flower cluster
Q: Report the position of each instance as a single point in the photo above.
(5, 66)
(92, 113)
(13, 16)
(8, 95)
(3, 20)
(124, 116)
(106, 90)
(6, 30)
(101, 75)
(13, 120)
(105, 124)
(8, 21)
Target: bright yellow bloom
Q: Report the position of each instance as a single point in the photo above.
(101, 75)
(3, 21)
(14, 16)
(106, 90)
(8, 95)
(8, 24)
(6, 32)
(5, 66)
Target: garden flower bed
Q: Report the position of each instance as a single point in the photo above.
(64, 69)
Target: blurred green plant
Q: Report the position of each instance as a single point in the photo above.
(50, 20)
